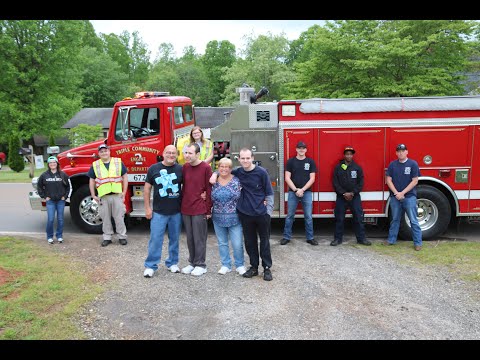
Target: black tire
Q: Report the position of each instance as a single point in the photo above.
(434, 213)
(84, 211)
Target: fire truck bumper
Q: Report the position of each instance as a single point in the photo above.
(36, 202)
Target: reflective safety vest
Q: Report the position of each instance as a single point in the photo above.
(205, 151)
(108, 181)
(181, 142)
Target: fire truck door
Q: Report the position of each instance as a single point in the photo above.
(290, 140)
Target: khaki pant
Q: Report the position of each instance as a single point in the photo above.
(112, 205)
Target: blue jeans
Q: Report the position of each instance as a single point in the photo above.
(409, 204)
(307, 206)
(158, 224)
(52, 207)
(235, 234)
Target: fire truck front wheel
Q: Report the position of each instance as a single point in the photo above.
(84, 211)
(434, 213)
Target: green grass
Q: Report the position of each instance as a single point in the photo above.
(10, 176)
(460, 258)
(46, 290)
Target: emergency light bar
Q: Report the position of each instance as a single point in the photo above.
(149, 94)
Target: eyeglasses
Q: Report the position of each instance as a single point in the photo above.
(170, 153)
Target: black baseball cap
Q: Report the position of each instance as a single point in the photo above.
(401, 147)
(102, 146)
(349, 148)
(301, 144)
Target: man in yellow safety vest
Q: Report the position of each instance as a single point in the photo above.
(109, 176)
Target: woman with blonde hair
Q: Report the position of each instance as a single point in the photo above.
(225, 194)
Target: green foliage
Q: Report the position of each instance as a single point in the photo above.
(192, 79)
(165, 53)
(184, 76)
(131, 53)
(15, 161)
(371, 58)
(40, 75)
(53, 68)
(51, 140)
(83, 134)
(264, 64)
(103, 83)
(219, 56)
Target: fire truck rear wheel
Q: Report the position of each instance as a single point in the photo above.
(434, 213)
(84, 211)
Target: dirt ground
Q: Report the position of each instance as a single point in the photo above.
(318, 292)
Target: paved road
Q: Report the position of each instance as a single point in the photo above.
(16, 216)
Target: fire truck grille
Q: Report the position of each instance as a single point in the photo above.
(263, 115)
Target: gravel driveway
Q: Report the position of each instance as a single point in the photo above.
(318, 292)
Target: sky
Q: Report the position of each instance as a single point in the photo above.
(197, 33)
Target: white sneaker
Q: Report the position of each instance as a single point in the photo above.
(60, 240)
(197, 271)
(174, 269)
(187, 269)
(50, 241)
(223, 270)
(148, 273)
(241, 270)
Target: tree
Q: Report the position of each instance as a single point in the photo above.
(192, 79)
(264, 64)
(51, 140)
(103, 83)
(15, 160)
(131, 53)
(40, 75)
(83, 134)
(165, 53)
(219, 56)
(372, 58)
(163, 74)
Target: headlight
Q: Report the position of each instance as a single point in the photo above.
(35, 182)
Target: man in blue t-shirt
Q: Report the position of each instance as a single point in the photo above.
(402, 179)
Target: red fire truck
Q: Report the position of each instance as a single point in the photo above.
(442, 135)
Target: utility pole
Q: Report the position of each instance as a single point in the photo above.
(32, 161)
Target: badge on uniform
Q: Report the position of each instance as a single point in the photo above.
(344, 166)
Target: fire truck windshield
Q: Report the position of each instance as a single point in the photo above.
(122, 120)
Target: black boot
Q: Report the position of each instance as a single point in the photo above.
(335, 242)
(364, 242)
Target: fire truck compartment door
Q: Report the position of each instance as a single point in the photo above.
(258, 140)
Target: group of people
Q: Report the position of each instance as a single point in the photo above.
(348, 179)
(239, 201)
